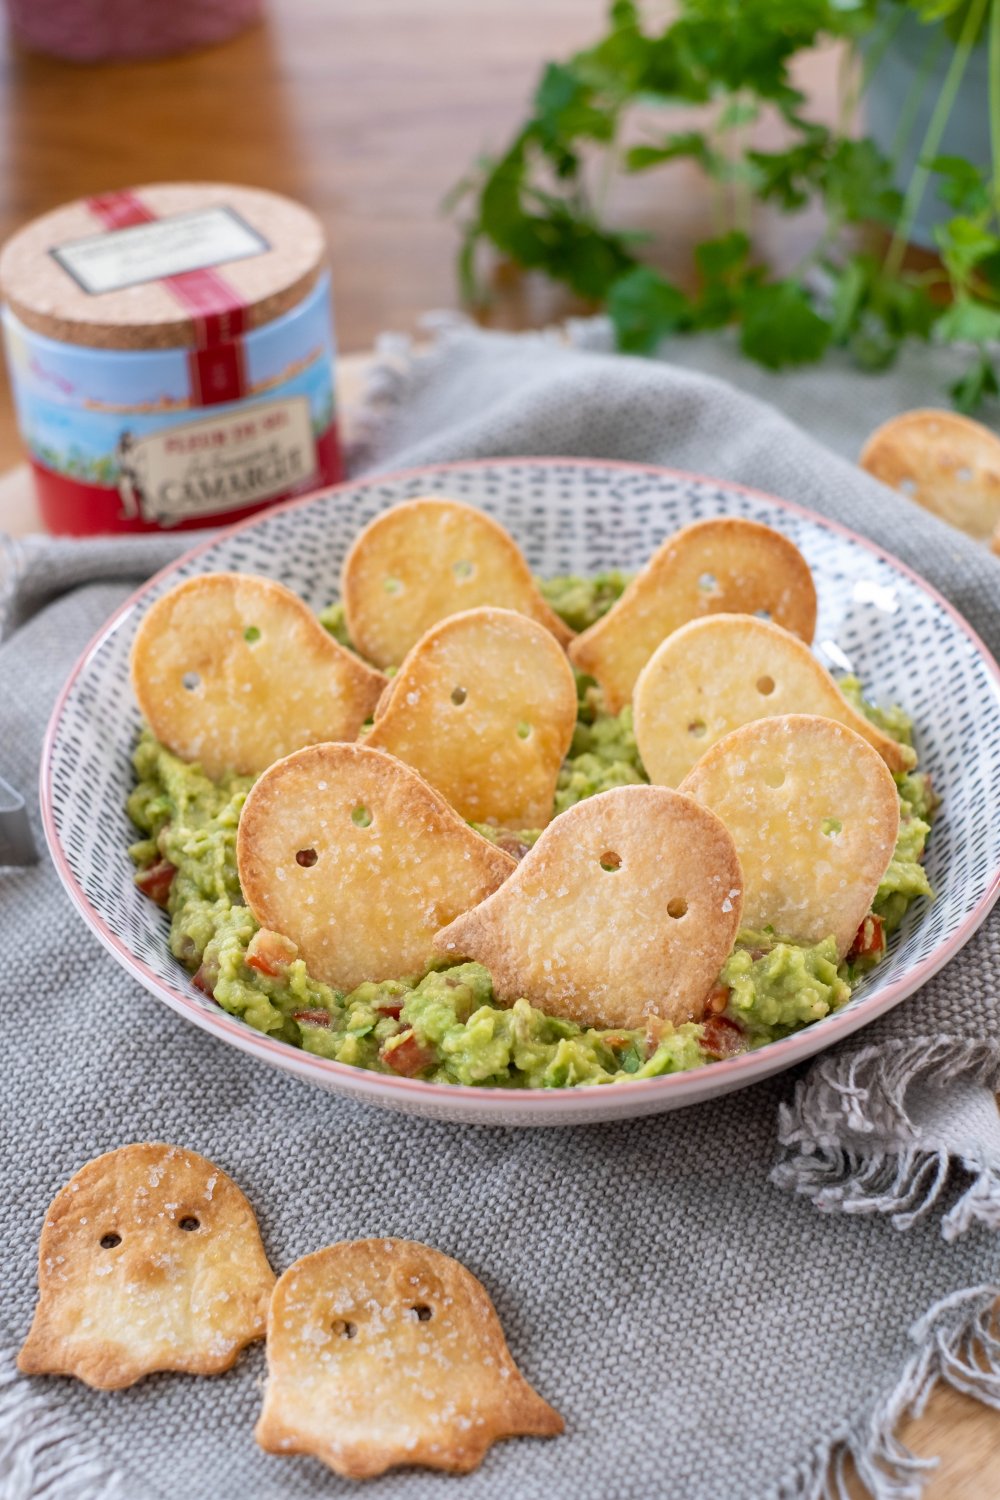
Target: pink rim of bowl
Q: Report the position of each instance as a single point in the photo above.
(728, 1074)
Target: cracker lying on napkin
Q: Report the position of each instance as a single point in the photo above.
(150, 1259)
(386, 1352)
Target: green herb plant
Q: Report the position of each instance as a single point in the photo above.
(542, 204)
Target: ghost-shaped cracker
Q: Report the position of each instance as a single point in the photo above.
(711, 676)
(150, 1259)
(814, 812)
(386, 1352)
(726, 565)
(625, 908)
(357, 860)
(484, 707)
(234, 671)
(424, 560)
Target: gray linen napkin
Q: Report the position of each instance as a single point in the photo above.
(704, 1332)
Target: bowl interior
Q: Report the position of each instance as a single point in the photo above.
(874, 619)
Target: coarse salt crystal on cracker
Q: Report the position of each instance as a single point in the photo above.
(814, 813)
(484, 707)
(356, 859)
(386, 1352)
(626, 908)
(234, 671)
(724, 565)
(424, 560)
(712, 675)
(150, 1259)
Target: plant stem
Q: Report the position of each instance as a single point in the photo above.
(915, 94)
(932, 136)
(994, 98)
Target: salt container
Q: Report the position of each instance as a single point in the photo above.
(171, 355)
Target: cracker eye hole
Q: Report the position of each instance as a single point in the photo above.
(677, 908)
(251, 635)
(698, 728)
(191, 681)
(907, 486)
(392, 585)
(345, 1329)
(189, 1222)
(459, 695)
(422, 1312)
(765, 686)
(831, 827)
(463, 568)
(523, 731)
(964, 474)
(109, 1241)
(306, 858)
(773, 777)
(361, 817)
(610, 861)
(708, 583)
(762, 614)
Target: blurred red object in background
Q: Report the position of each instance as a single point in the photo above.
(110, 30)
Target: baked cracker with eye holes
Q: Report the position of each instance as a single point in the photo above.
(234, 671)
(945, 462)
(727, 565)
(484, 707)
(424, 560)
(627, 907)
(814, 812)
(386, 1352)
(713, 675)
(150, 1259)
(357, 860)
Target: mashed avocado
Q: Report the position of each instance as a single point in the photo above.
(446, 1025)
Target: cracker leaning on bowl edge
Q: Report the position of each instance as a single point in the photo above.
(814, 814)
(727, 564)
(234, 671)
(150, 1259)
(714, 674)
(428, 558)
(386, 1352)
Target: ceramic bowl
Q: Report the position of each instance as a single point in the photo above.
(876, 618)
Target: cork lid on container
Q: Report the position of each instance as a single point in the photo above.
(146, 267)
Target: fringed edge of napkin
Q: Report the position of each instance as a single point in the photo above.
(848, 1143)
(958, 1345)
(40, 1454)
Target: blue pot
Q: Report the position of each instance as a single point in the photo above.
(967, 133)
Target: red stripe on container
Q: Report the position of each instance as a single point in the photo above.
(217, 365)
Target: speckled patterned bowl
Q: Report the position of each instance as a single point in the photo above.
(875, 618)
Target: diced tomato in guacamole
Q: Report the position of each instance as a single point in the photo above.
(447, 1025)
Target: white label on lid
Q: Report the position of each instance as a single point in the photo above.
(218, 464)
(166, 247)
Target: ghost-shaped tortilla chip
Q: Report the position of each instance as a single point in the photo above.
(713, 675)
(424, 560)
(385, 1352)
(150, 1259)
(626, 908)
(484, 707)
(357, 860)
(726, 565)
(814, 813)
(234, 671)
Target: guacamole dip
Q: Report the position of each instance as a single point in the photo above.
(446, 1025)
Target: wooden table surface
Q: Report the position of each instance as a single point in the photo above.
(369, 110)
